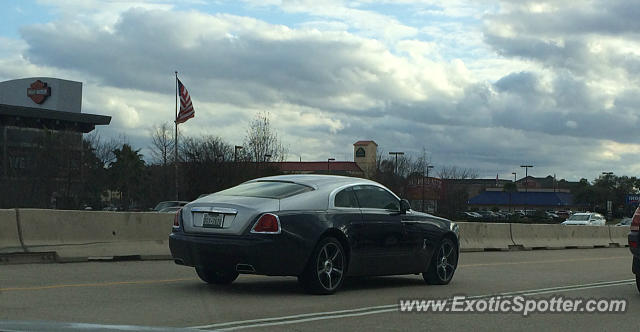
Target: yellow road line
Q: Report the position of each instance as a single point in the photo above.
(97, 284)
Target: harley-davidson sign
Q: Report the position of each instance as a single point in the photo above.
(38, 91)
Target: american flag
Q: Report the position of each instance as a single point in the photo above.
(186, 108)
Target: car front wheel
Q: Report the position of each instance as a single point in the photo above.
(216, 277)
(443, 264)
(326, 267)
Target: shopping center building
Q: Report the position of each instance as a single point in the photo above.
(41, 119)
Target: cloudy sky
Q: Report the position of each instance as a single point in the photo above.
(483, 84)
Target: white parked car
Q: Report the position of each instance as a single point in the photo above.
(585, 218)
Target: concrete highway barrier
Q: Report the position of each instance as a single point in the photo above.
(619, 235)
(536, 236)
(81, 235)
(9, 236)
(484, 236)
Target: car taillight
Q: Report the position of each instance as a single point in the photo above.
(635, 222)
(267, 224)
(176, 219)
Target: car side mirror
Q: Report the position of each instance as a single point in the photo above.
(404, 206)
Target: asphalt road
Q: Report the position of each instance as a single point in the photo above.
(159, 293)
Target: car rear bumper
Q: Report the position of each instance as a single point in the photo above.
(275, 254)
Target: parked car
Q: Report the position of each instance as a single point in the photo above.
(552, 216)
(585, 218)
(166, 204)
(319, 228)
(488, 215)
(634, 237)
(564, 214)
(469, 215)
(171, 209)
(624, 222)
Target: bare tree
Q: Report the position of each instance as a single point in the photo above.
(456, 173)
(162, 144)
(456, 189)
(262, 142)
(104, 149)
(207, 149)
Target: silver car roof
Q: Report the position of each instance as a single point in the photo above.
(316, 180)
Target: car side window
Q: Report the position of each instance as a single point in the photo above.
(376, 198)
(346, 198)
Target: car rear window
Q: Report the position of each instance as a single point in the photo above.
(266, 189)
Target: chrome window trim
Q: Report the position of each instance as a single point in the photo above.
(332, 195)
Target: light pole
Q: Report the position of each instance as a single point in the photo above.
(609, 207)
(235, 152)
(266, 156)
(526, 174)
(329, 162)
(396, 154)
(423, 179)
(514, 177)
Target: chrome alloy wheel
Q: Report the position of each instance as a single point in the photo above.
(445, 261)
(330, 266)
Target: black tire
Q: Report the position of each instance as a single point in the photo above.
(216, 277)
(443, 264)
(324, 273)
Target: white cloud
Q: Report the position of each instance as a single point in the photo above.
(483, 86)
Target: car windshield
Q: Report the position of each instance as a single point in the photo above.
(579, 217)
(266, 189)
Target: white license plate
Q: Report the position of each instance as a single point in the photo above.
(213, 220)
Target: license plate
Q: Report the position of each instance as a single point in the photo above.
(213, 220)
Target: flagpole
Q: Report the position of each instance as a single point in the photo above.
(175, 138)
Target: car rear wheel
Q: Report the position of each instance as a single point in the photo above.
(443, 264)
(216, 277)
(325, 270)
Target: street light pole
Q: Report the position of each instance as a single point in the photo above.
(526, 174)
(606, 178)
(423, 179)
(396, 154)
(328, 163)
(514, 177)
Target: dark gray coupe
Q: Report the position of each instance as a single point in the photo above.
(319, 228)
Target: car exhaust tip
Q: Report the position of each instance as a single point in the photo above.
(245, 268)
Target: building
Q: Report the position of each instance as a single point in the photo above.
(41, 122)
(424, 193)
(365, 155)
(521, 200)
(534, 193)
(346, 168)
(363, 166)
